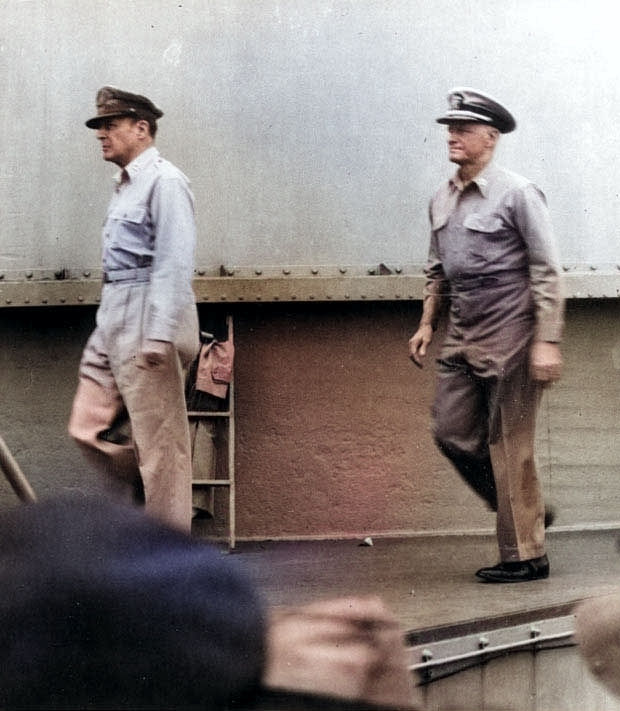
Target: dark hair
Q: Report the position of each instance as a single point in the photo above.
(102, 608)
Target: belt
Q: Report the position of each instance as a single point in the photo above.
(483, 281)
(138, 274)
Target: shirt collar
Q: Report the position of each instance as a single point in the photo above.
(481, 181)
(137, 165)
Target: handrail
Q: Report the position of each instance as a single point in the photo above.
(14, 474)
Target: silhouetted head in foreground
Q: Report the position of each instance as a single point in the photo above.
(100, 607)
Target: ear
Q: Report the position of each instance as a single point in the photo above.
(143, 128)
(494, 135)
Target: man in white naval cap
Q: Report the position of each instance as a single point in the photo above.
(493, 261)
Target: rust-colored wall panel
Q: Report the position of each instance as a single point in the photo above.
(333, 417)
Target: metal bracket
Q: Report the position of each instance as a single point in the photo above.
(434, 660)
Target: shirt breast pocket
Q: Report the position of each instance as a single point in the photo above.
(128, 227)
(491, 227)
(134, 215)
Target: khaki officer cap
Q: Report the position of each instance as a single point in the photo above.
(113, 102)
(471, 105)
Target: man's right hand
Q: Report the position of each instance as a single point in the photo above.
(347, 648)
(419, 342)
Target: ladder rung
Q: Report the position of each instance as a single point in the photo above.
(208, 413)
(212, 482)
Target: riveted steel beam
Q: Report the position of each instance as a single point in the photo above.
(278, 284)
(317, 288)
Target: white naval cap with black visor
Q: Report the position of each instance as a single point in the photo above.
(466, 104)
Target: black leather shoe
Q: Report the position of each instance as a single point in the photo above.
(518, 572)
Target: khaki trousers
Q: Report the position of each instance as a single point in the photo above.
(486, 426)
(131, 418)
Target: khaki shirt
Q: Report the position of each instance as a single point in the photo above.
(494, 254)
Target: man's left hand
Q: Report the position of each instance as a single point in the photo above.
(545, 361)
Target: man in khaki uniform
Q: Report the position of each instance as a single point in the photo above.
(132, 368)
(493, 259)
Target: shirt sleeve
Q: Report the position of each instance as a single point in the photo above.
(436, 281)
(534, 223)
(174, 226)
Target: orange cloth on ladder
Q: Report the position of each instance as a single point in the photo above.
(215, 366)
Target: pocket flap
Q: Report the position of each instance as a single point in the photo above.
(483, 223)
(134, 214)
